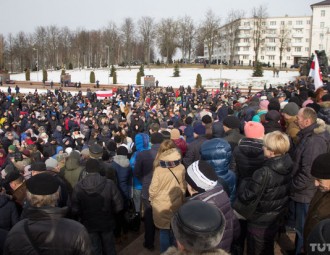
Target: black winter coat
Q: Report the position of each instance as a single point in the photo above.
(52, 234)
(143, 169)
(94, 200)
(248, 156)
(193, 153)
(313, 141)
(275, 198)
(8, 213)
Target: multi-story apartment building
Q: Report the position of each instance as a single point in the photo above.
(284, 41)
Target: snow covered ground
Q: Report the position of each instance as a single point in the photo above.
(210, 77)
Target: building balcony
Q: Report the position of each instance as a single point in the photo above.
(297, 44)
(244, 36)
(243, 44)
(271, 44)
(243, 52)
(244, 27)
(271, 35)
(298, 26)
(298, 35)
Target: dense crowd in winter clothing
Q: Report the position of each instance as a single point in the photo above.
(158, 150)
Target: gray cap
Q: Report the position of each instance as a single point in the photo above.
(291, 109)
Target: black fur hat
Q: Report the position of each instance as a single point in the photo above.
(198, 226)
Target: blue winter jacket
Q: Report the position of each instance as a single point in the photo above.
(217, 152)
(141, 144)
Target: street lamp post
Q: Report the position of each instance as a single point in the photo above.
(37, 63)
(107, 46)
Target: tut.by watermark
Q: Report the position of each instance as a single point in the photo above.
(319, 247)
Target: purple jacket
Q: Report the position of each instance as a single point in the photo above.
(219, 198)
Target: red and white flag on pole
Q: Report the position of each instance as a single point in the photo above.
(315, 72)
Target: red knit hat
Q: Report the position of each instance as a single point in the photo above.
(254, 130)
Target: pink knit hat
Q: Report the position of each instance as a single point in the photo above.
(308, 101)
(263, 105)
(254, 130)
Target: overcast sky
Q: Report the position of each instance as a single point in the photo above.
(23, 15)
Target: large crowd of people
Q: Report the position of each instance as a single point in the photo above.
(216, 172)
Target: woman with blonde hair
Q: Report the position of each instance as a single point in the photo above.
(270, 187)
(167, 190)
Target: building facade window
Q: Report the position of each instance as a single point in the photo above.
(322, 13)
(271, 57)
(272, 40)
(262, 57)
(299, 22)
(288, 58)
(322, 25)
(245, 57)
(308, 22)
(307, 49)
(321, 36)
(272, 23)
(282, 23)
(297, 49)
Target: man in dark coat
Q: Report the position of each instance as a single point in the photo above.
(94, 200)
(319, 208)
(45, 230)
(192, 153)
(143, 171)
(313, 141)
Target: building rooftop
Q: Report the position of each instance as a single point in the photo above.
(326, 2)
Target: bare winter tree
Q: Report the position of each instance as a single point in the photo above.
(111, 39)
(167, 38)
(2, 51)
(52, 43)
(186, 37)
(128, 31)
(283, 41)
(65, 54)
(209, 32)
(147, 32)
(10, 51)
(232, 32)
(259, 15)
(40, 36)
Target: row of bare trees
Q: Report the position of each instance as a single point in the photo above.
(54, 47)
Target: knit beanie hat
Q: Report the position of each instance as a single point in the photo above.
(38, 166)
(198, 226)
(273, 115)
(12, 147)
(291, 109)
(254, 130)
(263, 105)
(175, 134)
(156, 138)
(166, 134)
(122, 150)
(231, 122)
(201, 176)
(199, 129)
(318, 238)
(42, 184)
(320, 167)
(92, 165)
(51, 163)
(308, 101)
(95, 151)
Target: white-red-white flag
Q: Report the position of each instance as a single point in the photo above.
(102, 94)
(315, 72)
